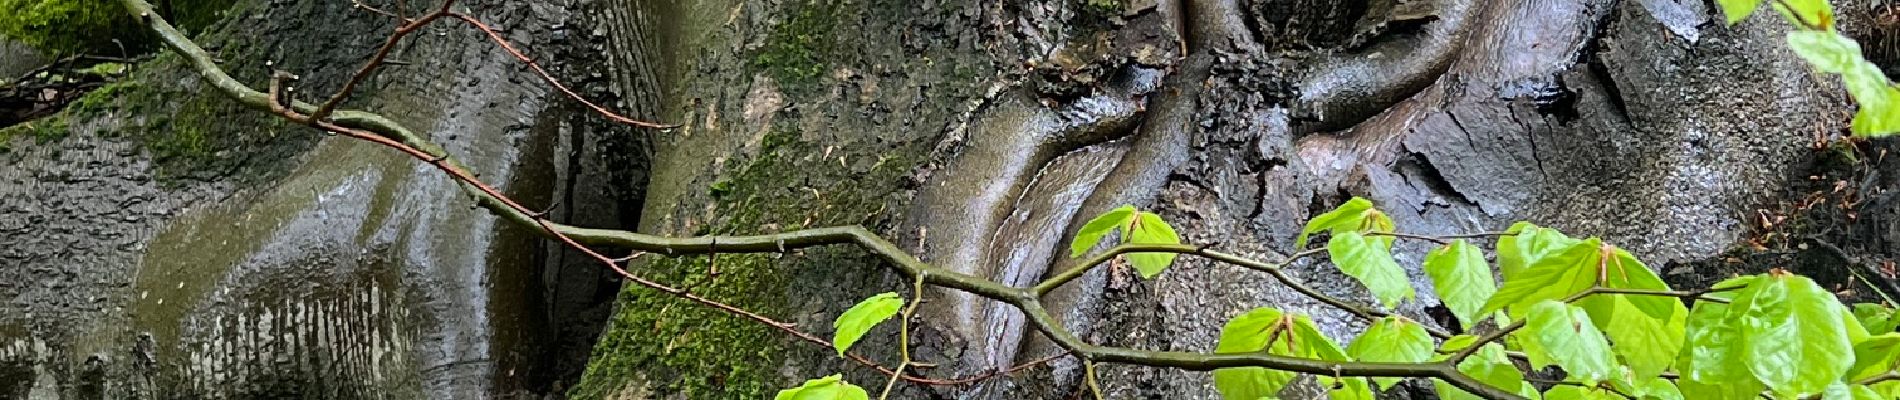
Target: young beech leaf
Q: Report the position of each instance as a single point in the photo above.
(1150, 229)
(1249, 333)
(1712, 350)
(1808, 14)
(1661, 389)
(1746, 388)
(1527, 244)
(1489, 365)
(1565, 392)
(1843, 391)
(1878, 319)
(1569, 339)
(1793, 332)
(1647, 343)
(1371, 263)
(1093, 232)
(1561, 274)
(1311, 343)
(827, 388)
(860, 318)
(1346, 218)
(1874, 356)
(1736, 10)
(1392, 339)
(1827, 51)
(1648, 330)
(1461, 279)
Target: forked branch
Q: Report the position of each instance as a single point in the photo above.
(383, 131)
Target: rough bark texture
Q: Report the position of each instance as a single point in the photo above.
(1642, 122)
(166, 243)
(163, 243)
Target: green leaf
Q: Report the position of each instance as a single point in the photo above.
(1570, 340)
(1461, 279)
(1827, 51)
(1093, 232)
(1746, 388)
(1348, 217)
(861, 317)
(1879, 101)
(1878, 319)
(1150, 229)
(1489, 365)
(827, 388)
(1250, 333)
(1371, 263)
(1875, 356)
(1661, 389)
(1565, 392)
(1713, 342)
(1392, 339)
(1843, 391)
(1647, 343)
(1316, 344)
(1527, 244)
(1809, 14)
(1736, 10)
(1623, 271)
(1794, 337)
(1567, 272)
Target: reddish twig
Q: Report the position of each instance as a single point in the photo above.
(411, 26)
(545, 76)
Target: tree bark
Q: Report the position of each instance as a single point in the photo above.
(1648, 123)
(978, 135)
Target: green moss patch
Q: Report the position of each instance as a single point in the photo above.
(690, 349)
(91, 26)
(796, 51)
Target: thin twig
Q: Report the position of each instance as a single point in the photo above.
(383, 131)
(1088, 369)
(903, 334)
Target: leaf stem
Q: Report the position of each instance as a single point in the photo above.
(903, 334)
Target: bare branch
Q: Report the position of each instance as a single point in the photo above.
(383, 131)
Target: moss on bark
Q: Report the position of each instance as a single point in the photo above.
(91, 26)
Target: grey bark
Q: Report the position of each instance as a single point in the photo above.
(276, 263)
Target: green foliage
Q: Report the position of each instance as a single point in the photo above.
(1253, 332)
(1564, 335)
(1876, 318)
(1461, 279)
(1278, 333)
(827, 388)
(1140, 227)
(1370, 261)
(855, 322)
(1568, 271)
(1816, 40)
(1392, 339)
(1793, 337)
(1150, 229)
(1092, 232)
(1356, 215)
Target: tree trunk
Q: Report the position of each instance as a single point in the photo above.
(175, 245)
(981, 136)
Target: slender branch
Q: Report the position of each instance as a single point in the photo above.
(1088, 371)
(376, 61)
(383, 131)
(903, 334)
(1440, 239)
(545, 76)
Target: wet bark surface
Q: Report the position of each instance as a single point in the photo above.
(260, 260)
(171, 244)
(1647, 123)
